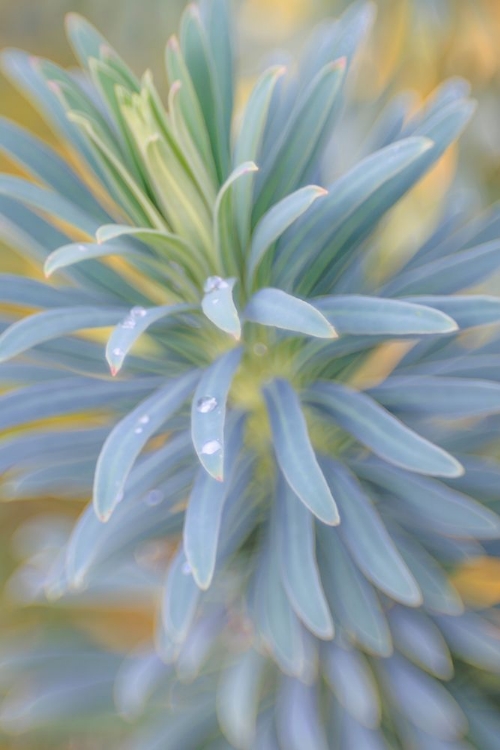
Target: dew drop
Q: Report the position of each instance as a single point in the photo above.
(206, 404)
(119, 496)
(118, 352)
(138, 312)
(186, 569)
(144, 419)
(213, 283)
(82, 248)
(138, 430)
(211, 447)
(260, 350)
(128, 323)
(154, 497)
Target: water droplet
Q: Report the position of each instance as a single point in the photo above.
(144, 419)
(213, 283)
(128, 322)
(82, 248)
(206, 404)
(138, 430)
(154, 497)
(118, 352)
(119, 496)
(138, 312)
(260, 349)
(211, 447)
(186, 569)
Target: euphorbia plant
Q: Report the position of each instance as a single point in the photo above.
(319, 485)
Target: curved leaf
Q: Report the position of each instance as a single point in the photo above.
(378, 316)
(51, 324)
(276, 221)
(294, 531)
(132, 327)
(380, 431)
(129, 437)
(238, 698)
(180, 599)
(367, 539)
(219, 307)
(294, 452)
(272, 307)
(208, 412)
(352, 683)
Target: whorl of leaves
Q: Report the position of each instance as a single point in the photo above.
(311, 434)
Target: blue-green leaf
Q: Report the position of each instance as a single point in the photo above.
(68, 255)
(474, 638)
(434, 504)
(294, 452)
(418, 638)
(294, 530)
(453, 398)
(423, 700)
(299, 721)
(272, 307)
(248, 145)
(378, 316)
(129, 437)
(49, 202)
(238, 698)
(51, 324)
(68, 396)
(208, 412)
(219, 307)
(132, 327)
(367, 539)
(352, 683)
(351, 598)
(468, 311)
(380, 431)
(180, 599)
(276, 221)
(204, 512)
(225, 241)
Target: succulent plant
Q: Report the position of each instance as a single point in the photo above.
(297, 439)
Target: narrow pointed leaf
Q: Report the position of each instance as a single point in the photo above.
(276, 221)
(218, 305)
(352, 599)
(272, 307)
(49, 202)
(447, 397)
(380, 431)
(204, 512)
(378, 316)
(137, 321)
(295, 540)
(129, 437)
(68, 255)
(51, 324)
(208, 412)
(352, 683)
(248, 145)
(224, 225)
(238, 699)
(433, 503)
(468, 311)
(367, 539)
(180, 599)
(294, 452)
(418, 638)
(299, 721)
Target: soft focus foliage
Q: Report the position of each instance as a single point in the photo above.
(289, 434)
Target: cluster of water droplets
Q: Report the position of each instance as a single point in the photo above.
(214, 283)
(130, 321)
(140, 424)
